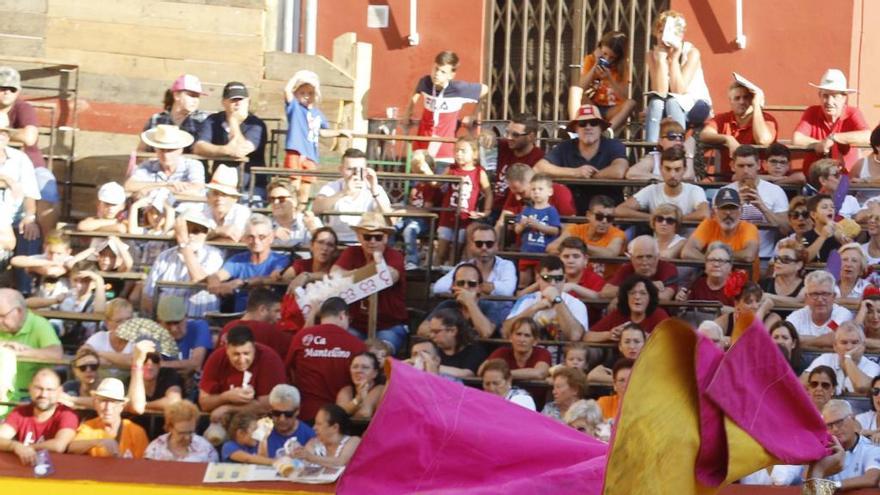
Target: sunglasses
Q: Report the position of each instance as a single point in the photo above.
(9, 89)
(154, 357)
(552, 278)
(600, 217)
(466, 283)
(517, 134)
(486, 244)
(777, 161)
(674, 136)
(824, 385)
(286, 414)
(591, 123)
(875, 391)
(799, 214)
(374, 237)
(87, 367)
(278, 199)
(784, 260)
(666, 220)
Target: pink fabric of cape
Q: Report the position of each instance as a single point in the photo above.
(432, 435)
(711, 463)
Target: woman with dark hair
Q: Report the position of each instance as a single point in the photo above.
(569, 386)
(632, 340)
(867, 169)
(180, 107)
(637, 302)
(330, 447)
(460, 356)
(525, 359)
(821, 384)
(77, 393)
(360, 399)
(604, 81)
(610, 404)
(786, 286)
(868, 316)
(868, 419)
(323, 250)
(747, 298)
(787, 338)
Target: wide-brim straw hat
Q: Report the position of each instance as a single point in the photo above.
(167, 137)
(833, 80)
(372, 221)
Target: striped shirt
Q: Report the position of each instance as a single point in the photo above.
(170, 267)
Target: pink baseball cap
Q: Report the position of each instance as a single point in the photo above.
(187, 82)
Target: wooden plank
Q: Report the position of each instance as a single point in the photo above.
(23, 24)
(163, 42)
(281, 66)
(23, 47)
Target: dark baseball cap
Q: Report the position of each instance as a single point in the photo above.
(234, 90)
(726, 197)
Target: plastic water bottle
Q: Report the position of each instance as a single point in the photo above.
(43, 466)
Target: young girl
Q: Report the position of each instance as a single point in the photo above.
(604, 81)
(574, 355)
(463, 195)
(152, 214)
(244, 445)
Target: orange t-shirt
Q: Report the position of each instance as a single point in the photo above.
(583, 232)
(710, 231)
(609, 405)
(604, 94)
(133, 439)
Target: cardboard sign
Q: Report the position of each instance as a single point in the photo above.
(364, 281)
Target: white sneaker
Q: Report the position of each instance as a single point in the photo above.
(411, 266)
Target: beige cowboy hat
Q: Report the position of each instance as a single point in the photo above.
(225, 180)
(110, 388)
(167, 137)
(833, 80)
(373, 221)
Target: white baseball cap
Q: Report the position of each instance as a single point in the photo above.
(111, 193)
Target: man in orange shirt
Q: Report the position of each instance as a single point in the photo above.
(601, 237)
(108, 435)
(725, 225)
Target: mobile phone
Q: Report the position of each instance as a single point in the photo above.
(603, 62)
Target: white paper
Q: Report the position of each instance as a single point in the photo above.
(754, 88)
(673, 31)
(246, 379)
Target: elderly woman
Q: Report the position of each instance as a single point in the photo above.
(637, 302)
(816, 321)
(872, 247)
(292, 226)
(498, 380)
(821, 384)
(853, 265)
(868, 317)
(610, 404)
(569, 386)
(826, 236)
(526, 360)
(460, 356)
(180, 442)
(748, 298)
(78, 392)
(323, 250)
(665, 221)
(330, 447)
(360, 398)
(710, 285)
(868, 419)
(786, 337)
(799, 220)
(632, 340)
(585, 417)
(786, 286)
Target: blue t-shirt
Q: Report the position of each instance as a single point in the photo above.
(198, 334)
(230, 447)
(303, 434)
(239, 266)
(215, 130)
(567, 154)
(534, 241)
(303, 129)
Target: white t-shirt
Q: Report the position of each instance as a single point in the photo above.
(776, 200)
(844, 384)
(361, 203)
(868, 420)
(803, 322)
(871, 260)
(521, 398)
(779, 475)
(19, 169)
(654, 195)
(100, 342)
(547, 316)
(850, 207)
(860, 459)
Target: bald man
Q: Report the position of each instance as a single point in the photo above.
(44, 424)
(644, 260)
(27, 334)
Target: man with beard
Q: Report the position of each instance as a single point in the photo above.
(725, 225)
(517, 147)
(44, 424)
(689, 198)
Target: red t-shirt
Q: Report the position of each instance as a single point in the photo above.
(423, 195)
(300, 265)
(562, 200)
(591, 280)
(666, 271)
(616, 318)
(219, 375)
(505, 159)
(464, 195)
(21, 115)
(726, 124)
(28, 431)
(392, 301)
(539, 355)
(700, 291)
(814, 125)
(268, 334)
(320, 357)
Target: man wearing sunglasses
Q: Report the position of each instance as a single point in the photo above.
(599, 234)
(517, 146)
(466, 282)
(672, 135)
(559, 314)
(745, 123)
(725, 225)
(284, 402)
(689, 198)
(41, 424)
(854, 371)
(861, 462)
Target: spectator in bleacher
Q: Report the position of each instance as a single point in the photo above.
(818, 320)
(714, 333)
(560, 315)
(637, 302)
(854, 371)
(425, 356)
(677, 87)
(323, 250)
(193, 336)
(109, 212)
(537, 225)
(498, 380)
(824, 177)
(379, 348)
(786, 337)
(778, 166)
(357, 190)
(422, 198)
(228, 218)
(152, 386)
(861, 465)
(262, 315)
(55, 260)
(710, 285)
(373, 232)
(672, 135)
(82, 291)
(610, 404)
(868, 420)
(465, 291)
(748, 298)
(284, 400)
(644, 261)
(526, 360)
(77, 392)
(786, 285)
(180, 442)
(519, 178)
(799, 220)
(586, 417)
(868, 316)
(665, 222)
(569, 386)
(603, 82)
(853, 267)
(629, 346)
(170, 170)
(180, 108)
(599, 234)
(821, 384)
(518, 146)
(109, 435)
(866, 171)
(763, 201)
(745, 123)
(872, 247)
(191, 261)
(330, 447)
(833, 127)
(109, 346)
(243, 444)
(580, 279)
(362, 395)
(259, 265)
(575, 356)
(292, 226)
(239, 376)
(21, 193)
(460, 354)
(319, 358)
(43, 424)
(725, 225)
(305, 124)
(26, 334)
(690, 198)
(234, 131)
(826, 235)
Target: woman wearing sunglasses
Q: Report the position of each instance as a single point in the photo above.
(821, 384)
(78, 392)
(664, 222)
(786, 285)
(868, 420)
(360, 398)
(799, 220)
(161, 386)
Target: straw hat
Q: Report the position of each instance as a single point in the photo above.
(833, 80)
(110, 388)
(167, 137)
(225, 180)
(589, 112)
(373, 221)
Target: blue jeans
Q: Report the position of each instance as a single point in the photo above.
(395, 336)
(657, 109)
(410, 228)
(23, 247)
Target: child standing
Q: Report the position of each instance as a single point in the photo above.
(304, 125)
(421, 196)
(538, 224)
(462, 195)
